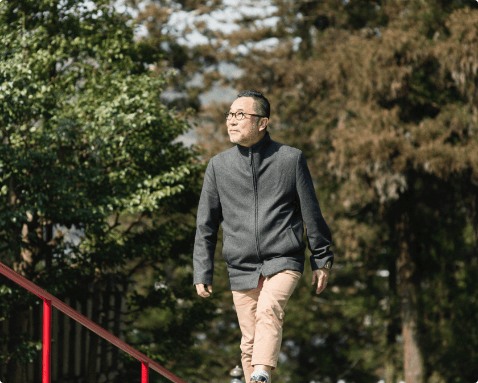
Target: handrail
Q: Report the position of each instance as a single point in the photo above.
(50, 300)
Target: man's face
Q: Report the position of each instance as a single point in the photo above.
(247, 131)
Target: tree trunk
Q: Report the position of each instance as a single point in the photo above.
(413, 359)
(409, 299)
(393, 325)
(26, 254)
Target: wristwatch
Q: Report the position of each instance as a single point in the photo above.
(328, 265)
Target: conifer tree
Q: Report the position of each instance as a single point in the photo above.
(381, 98)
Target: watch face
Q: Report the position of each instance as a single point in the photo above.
(328, 265)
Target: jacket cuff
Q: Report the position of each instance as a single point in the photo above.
(320, 263)
(203, 279)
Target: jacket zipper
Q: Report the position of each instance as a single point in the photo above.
(256, 205)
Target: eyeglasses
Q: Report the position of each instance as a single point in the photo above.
(239, 115)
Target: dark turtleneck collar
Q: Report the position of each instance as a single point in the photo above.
(264, 142)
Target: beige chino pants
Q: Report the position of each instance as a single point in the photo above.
(260, 312)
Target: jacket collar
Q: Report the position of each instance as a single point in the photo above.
(263, 143)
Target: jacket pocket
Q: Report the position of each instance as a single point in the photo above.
(239, 251)
(293, 239)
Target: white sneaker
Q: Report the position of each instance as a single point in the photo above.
(260, 376)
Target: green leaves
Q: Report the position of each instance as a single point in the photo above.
(148, 194)
(91, 175)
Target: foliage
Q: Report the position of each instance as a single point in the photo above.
(381, 97)
(95, 186)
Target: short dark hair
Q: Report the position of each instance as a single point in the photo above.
(261, 104)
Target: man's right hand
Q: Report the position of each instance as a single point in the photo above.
(201, 289)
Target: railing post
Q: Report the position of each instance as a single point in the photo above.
(144, 372)
(46, 341)
(49, 301)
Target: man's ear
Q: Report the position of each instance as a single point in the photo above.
(264, 122)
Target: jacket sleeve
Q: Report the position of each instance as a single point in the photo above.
(208, 221)
(318, 233)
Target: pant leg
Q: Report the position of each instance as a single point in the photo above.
(273, 297)
(245, 303)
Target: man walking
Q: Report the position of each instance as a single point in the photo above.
(261, 193)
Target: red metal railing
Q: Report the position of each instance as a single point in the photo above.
(50, 301)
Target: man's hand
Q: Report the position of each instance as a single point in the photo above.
(201, 289)
(322, 276)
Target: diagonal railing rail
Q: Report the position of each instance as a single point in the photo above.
(50, 301)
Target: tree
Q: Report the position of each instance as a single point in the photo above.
(379, 107)
(380, 96)
(88, 144)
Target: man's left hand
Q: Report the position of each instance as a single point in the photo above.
(322, 275)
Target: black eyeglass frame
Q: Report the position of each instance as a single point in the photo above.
(226, 114)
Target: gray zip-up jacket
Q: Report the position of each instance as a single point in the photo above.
(261, 196)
